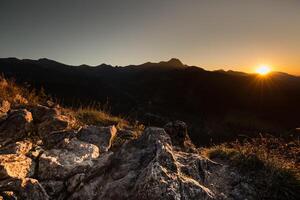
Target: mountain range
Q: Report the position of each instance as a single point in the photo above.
(217, 105)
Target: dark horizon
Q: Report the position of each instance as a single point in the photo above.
(138, 64)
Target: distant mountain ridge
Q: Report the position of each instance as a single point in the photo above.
(173, 62)
(209, 101)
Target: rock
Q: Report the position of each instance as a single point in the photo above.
(100, 136)
(71, 157)
(178, 133)
(17, 126)
(127, 134)
(3, 117)
(55, 138)
(51, 104)
(53, 188)
(4, 106)
(15, 166)
(177, 130)
(50, 120)
(19, 100)
(74, 181)
(9, 195)
(40, 113)
(55, 123)
(20, 147)
(147, 168)
(35, 152)
(123, 136)
(33, 190)
(27, 188)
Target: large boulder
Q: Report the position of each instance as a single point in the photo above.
(70, 157)
(147, 168)
(17, 126)
(100, 136)
(15, 166)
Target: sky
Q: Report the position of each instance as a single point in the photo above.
(213, 34)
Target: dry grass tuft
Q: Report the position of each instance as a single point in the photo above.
(18, 95)
(272, 164)
(91, 116)
(95, 116)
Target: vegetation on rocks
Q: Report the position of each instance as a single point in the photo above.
(270, 164)
(17, 95)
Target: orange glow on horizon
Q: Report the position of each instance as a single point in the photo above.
(263, 70)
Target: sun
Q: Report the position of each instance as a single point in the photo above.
(263, 70)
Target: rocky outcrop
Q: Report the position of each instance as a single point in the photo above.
(147, 168)
(44, 156)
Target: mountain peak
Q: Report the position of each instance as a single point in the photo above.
(174, 62)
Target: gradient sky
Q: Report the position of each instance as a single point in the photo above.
(214, 34)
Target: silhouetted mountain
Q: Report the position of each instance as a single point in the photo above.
(215, 104)
(172, 62)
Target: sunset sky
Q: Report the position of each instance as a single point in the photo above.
(213, 34)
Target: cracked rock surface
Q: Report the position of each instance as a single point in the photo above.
(44, 156)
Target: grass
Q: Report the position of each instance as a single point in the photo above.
(98, 117)
(17, 95)
(21, 95)
(90, 115)
(271, 164)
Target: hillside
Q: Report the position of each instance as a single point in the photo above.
(51, 152)
(217, 106)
